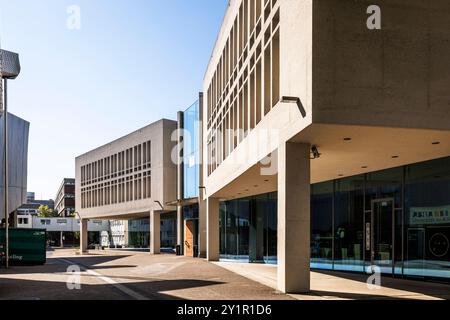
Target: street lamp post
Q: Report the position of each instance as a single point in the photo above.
(9, 69)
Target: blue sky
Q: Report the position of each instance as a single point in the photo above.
(131, 63)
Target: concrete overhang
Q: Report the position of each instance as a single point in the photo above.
(347, 150)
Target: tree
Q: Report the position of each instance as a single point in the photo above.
(46, 212)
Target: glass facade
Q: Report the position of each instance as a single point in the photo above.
(191, 151)
(139, 232)
(249, 229)
(397, 219)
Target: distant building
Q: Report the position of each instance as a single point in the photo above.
(28, 209)
(65, 198)
(18, 130)
(49, 203)
(30, 197)
(118, 233)
(64, 231)
(130, 178)
(31, 207)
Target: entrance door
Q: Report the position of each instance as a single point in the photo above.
(380, 231)
(189, 232)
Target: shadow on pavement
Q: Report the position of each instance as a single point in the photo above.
(433, 289)
(19, 289)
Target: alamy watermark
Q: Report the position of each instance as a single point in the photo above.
(374, 280)
(374, 20)
(74, 279)
(73, 21)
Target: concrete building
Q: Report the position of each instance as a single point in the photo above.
(64, 231)
(65, 198)
(118, 233)
(136, 233)
(30, 197)
(18, 130)
(324, 136)
(32, 205)
(28, 209)
(130, 178)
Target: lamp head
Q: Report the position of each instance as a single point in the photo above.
(10, 64)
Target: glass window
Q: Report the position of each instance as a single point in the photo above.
(427, 219)
(348, 223)
(191, 151)
(387, 184)
(321, 225)
(249, 229)
(384, 184)
(270, 228)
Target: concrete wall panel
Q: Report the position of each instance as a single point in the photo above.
(18, 162)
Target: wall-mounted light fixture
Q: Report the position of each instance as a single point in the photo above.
(159, 203)
(296, 100)
(315, 153)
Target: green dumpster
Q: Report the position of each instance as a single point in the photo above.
(26, 246)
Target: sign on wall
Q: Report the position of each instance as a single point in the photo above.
(430, 215)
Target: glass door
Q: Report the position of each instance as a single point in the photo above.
(382, 235)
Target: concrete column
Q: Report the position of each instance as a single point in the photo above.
(212, 227)
(61, 239)
(180, 227)
(294, 218)
(155, 232)
(83, 236)
(202, 227)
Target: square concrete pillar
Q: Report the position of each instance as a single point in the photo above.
(83, 236)
(202, 228)
(180, 227)
(61, 239)
(155, 232)
(294, 218)
(212, 227)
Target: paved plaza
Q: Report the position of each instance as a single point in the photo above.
(134, 275)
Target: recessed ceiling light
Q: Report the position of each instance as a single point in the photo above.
(347, 139)
(395, 157)
(267, 180)
(364, 167)
(340, 175)
(436, 143)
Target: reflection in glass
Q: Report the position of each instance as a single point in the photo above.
(249, 229)
(417, 237)
(191, 151)
(427, 219)
(348, 224)
(321, 225)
